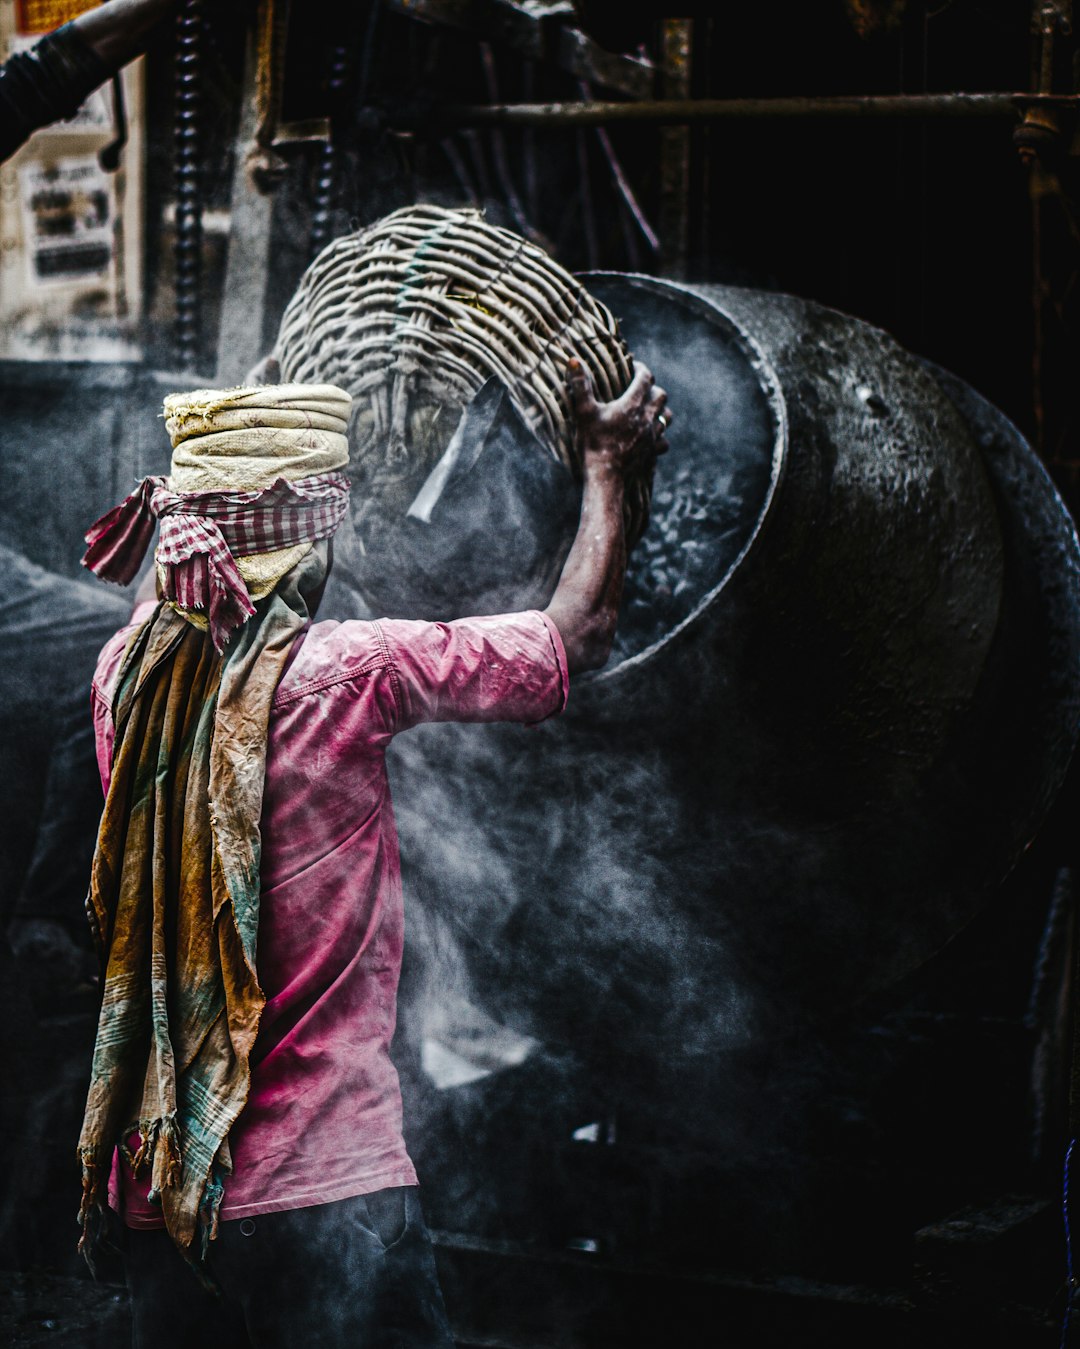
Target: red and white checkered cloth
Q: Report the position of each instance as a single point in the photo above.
(202, 534)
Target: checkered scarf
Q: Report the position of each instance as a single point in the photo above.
(202, 534)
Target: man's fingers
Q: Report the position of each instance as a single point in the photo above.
(581, 388)
(633, 425)
(661, 417)
(637, 395)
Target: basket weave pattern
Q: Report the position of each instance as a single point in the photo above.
(418, 310)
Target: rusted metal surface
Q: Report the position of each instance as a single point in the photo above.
(1049, 19)
(1040, 130)
(272, 25)
(1035, 662)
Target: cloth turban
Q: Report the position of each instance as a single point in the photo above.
(256, 479)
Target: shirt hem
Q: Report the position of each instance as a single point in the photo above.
(323, 1194)
(382, 1180)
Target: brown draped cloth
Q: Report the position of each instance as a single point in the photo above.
(174, 905)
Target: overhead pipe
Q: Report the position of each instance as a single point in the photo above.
(675, 111)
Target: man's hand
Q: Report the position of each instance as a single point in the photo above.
(626, 434)
(618, 439)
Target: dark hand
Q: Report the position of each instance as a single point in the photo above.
(619, 440)
(626, 434)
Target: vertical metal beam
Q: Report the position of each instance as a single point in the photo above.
(188, 246)
(247, 266)
(676, 48)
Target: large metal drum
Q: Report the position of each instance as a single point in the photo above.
(845, 691)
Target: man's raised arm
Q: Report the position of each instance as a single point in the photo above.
(618, 439)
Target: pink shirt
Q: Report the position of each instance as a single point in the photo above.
(323, 1119)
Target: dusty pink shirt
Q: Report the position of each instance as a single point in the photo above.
(323, 1119)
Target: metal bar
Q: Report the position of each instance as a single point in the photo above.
(677, 111)
(674, 219)
(247, 262)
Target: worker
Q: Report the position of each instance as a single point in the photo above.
(246, 894)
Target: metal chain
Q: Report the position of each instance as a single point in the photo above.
(188, 246)
(325, 195)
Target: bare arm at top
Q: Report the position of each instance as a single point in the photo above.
(618, 439)
(50, 81)
(119, 29)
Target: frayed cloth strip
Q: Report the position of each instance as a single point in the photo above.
(187, 778)
(202, 534)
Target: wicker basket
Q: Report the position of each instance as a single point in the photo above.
(413, 314)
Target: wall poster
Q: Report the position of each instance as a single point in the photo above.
(70, 232)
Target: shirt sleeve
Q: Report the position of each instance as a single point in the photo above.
(104, 736)
(506, 667)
